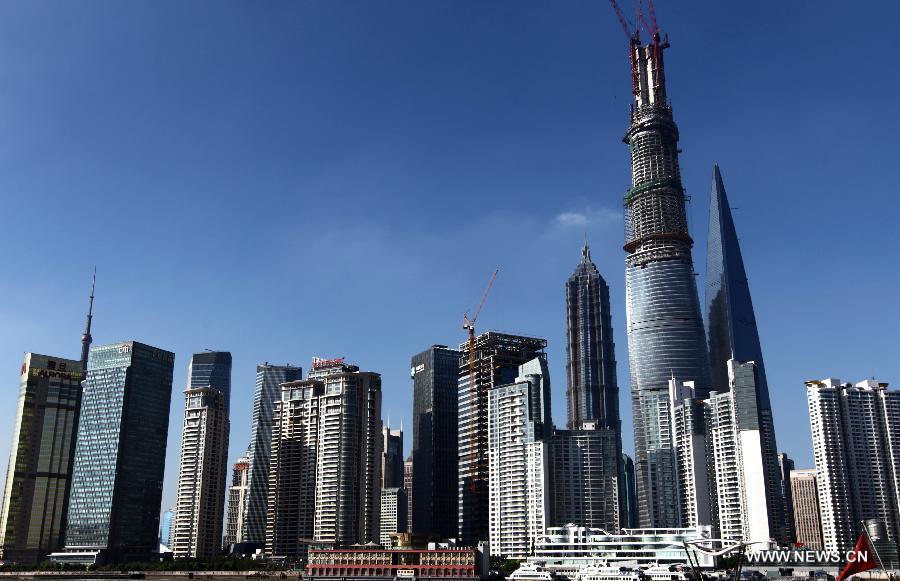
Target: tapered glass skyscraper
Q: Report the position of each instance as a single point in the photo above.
(665, 329)
(732, 333)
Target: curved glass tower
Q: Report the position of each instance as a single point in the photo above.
(666, 337)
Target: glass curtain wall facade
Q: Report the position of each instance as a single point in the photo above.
(38, 476)
(593, 390)
(665, 329)
(268, 380)
(120, 455)
(434, 494)
(732, 334)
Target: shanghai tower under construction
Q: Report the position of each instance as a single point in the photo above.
(666, 336)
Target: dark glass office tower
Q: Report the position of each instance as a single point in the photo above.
(120, 455)
(391, 457)
(666, 337)
(268, 380)
(496, 361)
(732, 332)
(435, 375)
(592, 396)
(38, 478)
(593, 391)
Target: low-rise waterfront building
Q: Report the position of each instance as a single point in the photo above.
(411, 557)
(566, 550)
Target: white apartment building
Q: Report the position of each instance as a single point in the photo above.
(393, 514)
(518, 466)
(855, 430)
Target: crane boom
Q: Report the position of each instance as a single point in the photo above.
(622, 20)
(485, 295)
(474, 391)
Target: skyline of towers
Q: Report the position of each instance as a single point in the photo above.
(200, 499)
(114, 506)
(665, 329)
(497, 357)
(268, 380)
(434, 495)
(38, 478)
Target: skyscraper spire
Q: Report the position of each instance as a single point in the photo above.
(86, 339)
(732, 332)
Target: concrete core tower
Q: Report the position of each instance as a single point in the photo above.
(666, 337)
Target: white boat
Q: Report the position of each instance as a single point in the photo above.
(528, 571)
(666, 573)
(609, 573)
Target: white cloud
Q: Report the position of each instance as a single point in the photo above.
(587, 217)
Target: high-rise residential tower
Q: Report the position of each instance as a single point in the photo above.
(805, 497)
(496, 361)
(519, 430)
(325, 471)
(854, 431)
(391, 457)
(120, 455)
(268, 380)
(434, 491)
(200, 503)
(39, 474)
(732, 334)
(585, 488)
(665, 329)
(237, 499)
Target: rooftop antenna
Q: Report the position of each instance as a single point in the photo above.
(86, 339)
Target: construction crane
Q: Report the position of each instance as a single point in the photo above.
(469, 325)
(634, 35)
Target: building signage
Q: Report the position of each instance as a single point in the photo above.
(318, 363)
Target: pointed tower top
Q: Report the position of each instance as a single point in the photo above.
(585, 251)
(86, 339)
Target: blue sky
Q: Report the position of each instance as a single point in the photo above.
(339, 178)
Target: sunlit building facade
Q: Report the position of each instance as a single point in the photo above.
(38, 478)
(119, 464)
